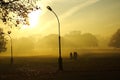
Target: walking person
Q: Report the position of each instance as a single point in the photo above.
(71, 55)
(75, 55)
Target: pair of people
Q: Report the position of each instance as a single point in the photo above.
(73, 55)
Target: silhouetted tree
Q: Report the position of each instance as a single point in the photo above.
(89, 40)
(15, 12)
(77, 40)
(73, 39)
(2, 41)
(115, 40)
(24, 45)
(49, 41)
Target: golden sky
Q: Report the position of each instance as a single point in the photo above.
(95, 16)
(100, 17)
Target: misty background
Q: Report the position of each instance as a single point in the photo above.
(48, 45)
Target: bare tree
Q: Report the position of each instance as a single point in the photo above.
(15, 12)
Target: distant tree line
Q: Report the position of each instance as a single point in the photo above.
(115, 40)
(72, 40)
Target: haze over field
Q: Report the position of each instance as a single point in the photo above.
(99, 18)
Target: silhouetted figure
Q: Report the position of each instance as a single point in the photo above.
(75, 55)
(71, 56)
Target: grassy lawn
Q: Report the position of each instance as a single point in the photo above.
(86, 67)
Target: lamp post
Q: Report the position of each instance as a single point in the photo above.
(11, 51)
(60, 63)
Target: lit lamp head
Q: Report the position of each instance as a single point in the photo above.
(49, 8)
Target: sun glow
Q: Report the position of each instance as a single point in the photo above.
(34, 18)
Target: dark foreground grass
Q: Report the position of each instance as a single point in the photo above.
(86, 67)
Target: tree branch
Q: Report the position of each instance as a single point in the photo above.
(4, 3)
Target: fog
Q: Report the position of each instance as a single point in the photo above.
(48, 45)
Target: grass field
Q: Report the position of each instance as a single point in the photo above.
(86, 67)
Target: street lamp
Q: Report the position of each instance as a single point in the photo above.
(8, 34)
(60, 63)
